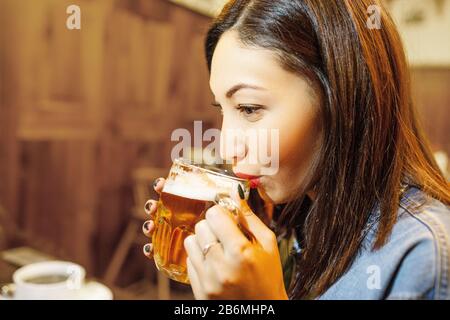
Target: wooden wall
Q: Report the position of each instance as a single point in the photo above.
(80, 109)
(431, 93)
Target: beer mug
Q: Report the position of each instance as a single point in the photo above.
(189, 191)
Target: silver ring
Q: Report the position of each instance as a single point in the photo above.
(208, 246)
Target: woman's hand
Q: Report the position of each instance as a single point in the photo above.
(233, 267)
(150, 209)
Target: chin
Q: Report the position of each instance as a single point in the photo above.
(272, 195)
(276, 192)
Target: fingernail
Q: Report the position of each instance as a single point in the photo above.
(148, 248)
(146, 226)
(148, 206)
(241, 192)
(155, 183)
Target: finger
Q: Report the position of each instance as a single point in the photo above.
(195, 255)
(204, 273)
(150, 207)
(204, 237)
(249, 220)
(226, 230)
(158, 184)
(148, 227)
(196, 285)
(148, 250)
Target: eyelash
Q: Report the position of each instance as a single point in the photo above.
(245, 108)
(242, 108)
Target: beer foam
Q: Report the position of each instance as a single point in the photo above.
(198, 186)
(195, 193)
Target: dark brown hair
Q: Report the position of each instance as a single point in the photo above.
(372, 140)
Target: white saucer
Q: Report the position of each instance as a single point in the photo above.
(93, 290)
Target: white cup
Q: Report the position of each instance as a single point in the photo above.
(67, 289)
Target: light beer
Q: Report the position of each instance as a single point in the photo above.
(189, 191)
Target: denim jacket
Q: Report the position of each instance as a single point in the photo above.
(413, 264)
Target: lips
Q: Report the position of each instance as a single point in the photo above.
(245, 176)
(253, 180)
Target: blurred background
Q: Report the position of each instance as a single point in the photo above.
(86, 118)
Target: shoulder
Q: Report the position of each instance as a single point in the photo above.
(421, 236)
(429, 213)
(413, 264)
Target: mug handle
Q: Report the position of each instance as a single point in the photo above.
(75, 280)
(225, 201)
(7, 291)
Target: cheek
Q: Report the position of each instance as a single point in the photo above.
(297, 139)
(286, 142)
(297, 151)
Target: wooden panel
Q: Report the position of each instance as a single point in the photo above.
(137, 73)
(148, 93)
(11, 84)
(188, 68)
(61, 70)
(155, 69)
(81, 109)
(58, 197)
(432, 96)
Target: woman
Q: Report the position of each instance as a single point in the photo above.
(360, 205)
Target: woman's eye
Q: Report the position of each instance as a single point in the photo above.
(250, 112)
(247, 110)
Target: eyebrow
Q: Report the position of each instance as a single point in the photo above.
(240, 86)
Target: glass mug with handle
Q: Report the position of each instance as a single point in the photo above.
(189, 191)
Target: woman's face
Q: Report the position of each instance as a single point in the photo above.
(266, 99)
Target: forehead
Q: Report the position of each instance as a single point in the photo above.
(233, 62)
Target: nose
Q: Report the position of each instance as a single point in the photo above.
(233, 146)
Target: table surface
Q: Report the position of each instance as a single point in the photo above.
(141, 290)
(6, 272)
